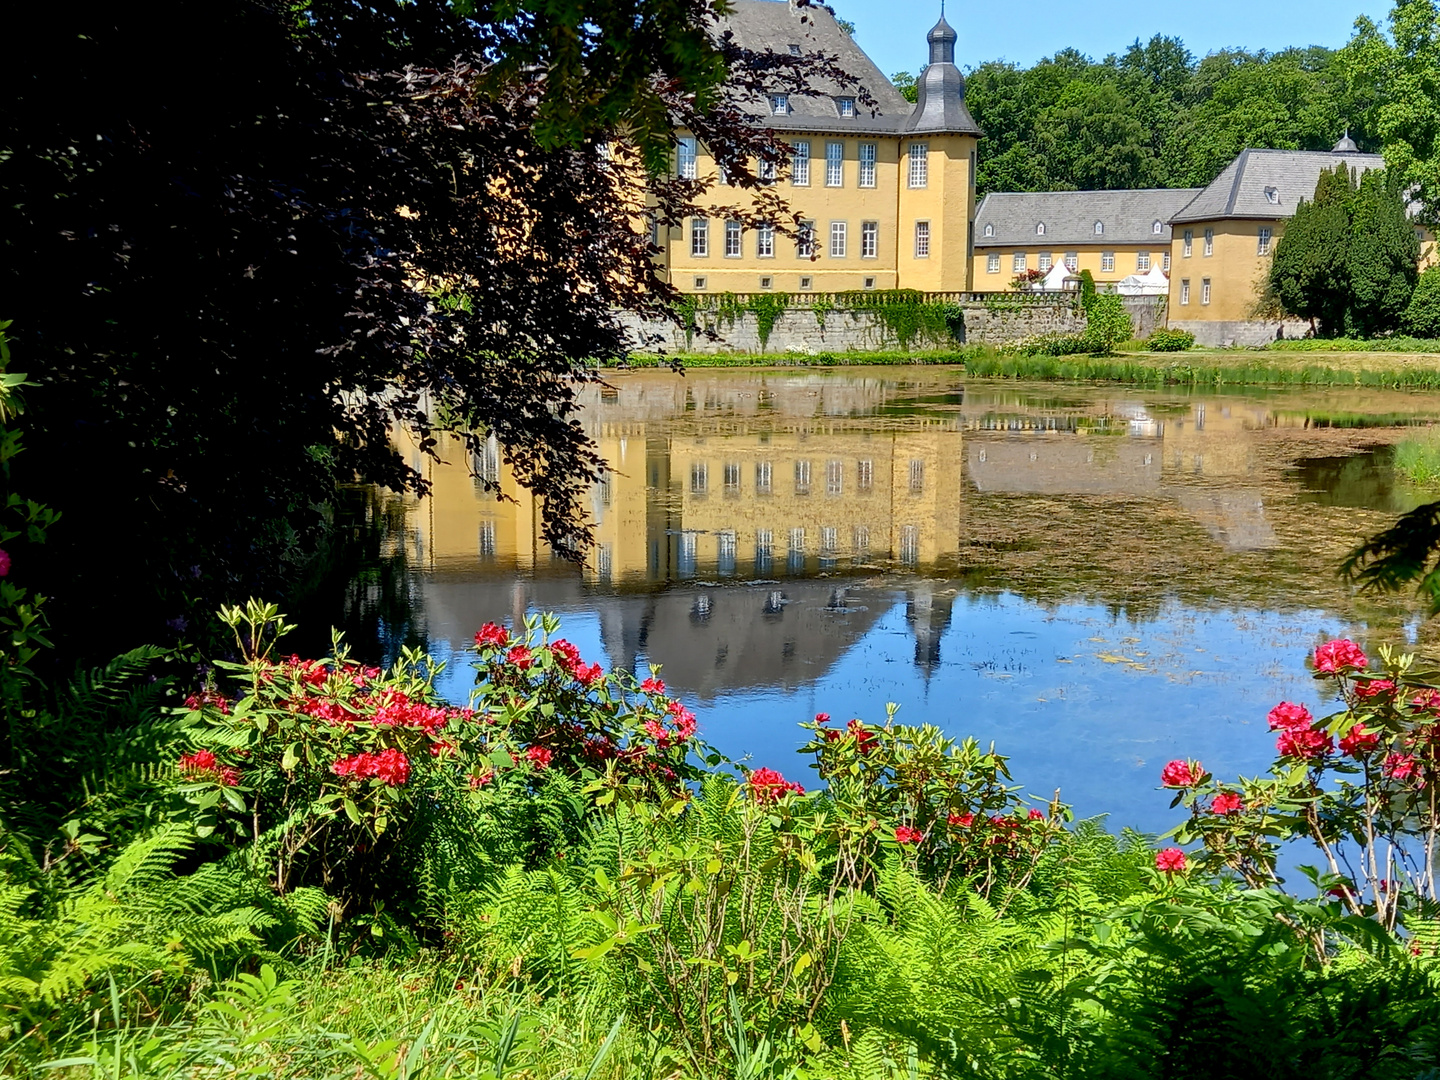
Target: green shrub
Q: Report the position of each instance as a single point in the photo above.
(1422, 316)
(1418, 459)
(1107, 324)
(1170, 341)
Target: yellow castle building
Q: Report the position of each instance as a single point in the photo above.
(886, 191)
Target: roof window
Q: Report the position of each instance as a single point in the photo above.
(989, 230)
(845, 106)
(1040, 229)
(1099, 228)
(779, 104)
(1157, 228)
(1272, 196)
(794, 49)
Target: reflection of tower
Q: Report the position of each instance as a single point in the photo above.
(662, 509)
(928, 616)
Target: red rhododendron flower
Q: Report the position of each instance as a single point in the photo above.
(1399, 766)
(1227, 802)
(539, 756)
(767, 785)
(566, 652)
(520, 656)
(863, 738)
(906, 835)
(1428, 700)
(4, 563)
(390, 766)
(822, 718)
(1180, 774)
(1369, 688)
(1171, 860)
(652, 685)
(492, 635)
(1036, 815)
(1359, 742)
(199, 761)
(960, 821)
(1303, 743)
(1339, 655)
(1287, 716)
(587, 676)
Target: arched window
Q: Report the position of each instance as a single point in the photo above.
(1099, 228)
(1157, 228)
(1040, 229)
(989, 230)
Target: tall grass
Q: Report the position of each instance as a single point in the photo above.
(1418, 458)
(1124, 370)
(1390, 344)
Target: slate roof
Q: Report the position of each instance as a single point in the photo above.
(1069, 217)
(940, 90)
(769, 25)
(1240, 191)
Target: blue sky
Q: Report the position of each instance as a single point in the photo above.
(893, 31)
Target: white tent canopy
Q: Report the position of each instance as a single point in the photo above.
(1152, 283)
(1055, 280)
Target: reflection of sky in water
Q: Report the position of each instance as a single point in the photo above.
(1078, 700)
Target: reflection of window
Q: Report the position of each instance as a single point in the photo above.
(687, 553)
(917, 476)
(909, 544)
(796, 557)
(607, 487)
(829, 539)
(699, 478)
(864, 474)
(862, 541)
(774, 602)
(762, 478)
(802, 477)
(725, 556)
(732, 478)
(604, 557)
(764, 550)
(487, 539)
(834, 477)
(486, 461)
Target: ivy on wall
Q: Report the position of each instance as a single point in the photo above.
(907, 315)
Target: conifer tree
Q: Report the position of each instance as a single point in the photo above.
(1382, 262)
(1308, 273)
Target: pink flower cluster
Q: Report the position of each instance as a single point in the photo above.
(767, 786)
(1181, 774)
(203, 765)
(1227, 802)
(390, 766)
(1338, 656)
(1170, 860)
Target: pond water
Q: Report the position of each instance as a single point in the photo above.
(1098, 579)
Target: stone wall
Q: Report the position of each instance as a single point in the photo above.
(1242, 333)
(804, 329)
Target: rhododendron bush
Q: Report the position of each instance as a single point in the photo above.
(1361, 783)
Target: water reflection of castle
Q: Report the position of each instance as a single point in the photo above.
(795, 492)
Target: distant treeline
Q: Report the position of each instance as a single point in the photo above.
(1154, 116)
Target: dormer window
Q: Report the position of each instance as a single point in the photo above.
(1272, 196)
(1157, 228)
(1040, 229)
(1099, 228)
(794, 49)
(779, 104)
(845, 106)
(989, 230)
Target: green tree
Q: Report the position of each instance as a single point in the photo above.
(1308, 271)
(1422, 315)
(906, 83)
(1382, 261)
(1091, 139)
(1398, 77)
(1107, 323)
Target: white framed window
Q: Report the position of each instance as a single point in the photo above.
(1209, 241)
(699, 237)
(1205, 290)
(1262, 245)
(805, 284)
(1187, 241)
(838, 239)
(805, 240)
(1142, 261)
(1040, 229)
(686, 153)
(919, 164)
(802, 476)
(834, 164)
(1099, 228)
(1272, 196)
(699, 284)
(1045, 262)
(992, 263)
(800, 164)
(834, 477)
(867, 164)
(1157, 228)
(765, 169)
(1165, 261)
(765, 242)
(922, 239)
(734, 245)
(1072, 261)
(845, 106)
(869, 239)
(1185, 290)
(989, 229)
(722, 175)
(763, 477)
(1107, 262)
(865, 474)
(779, 104)
(1017, 262)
